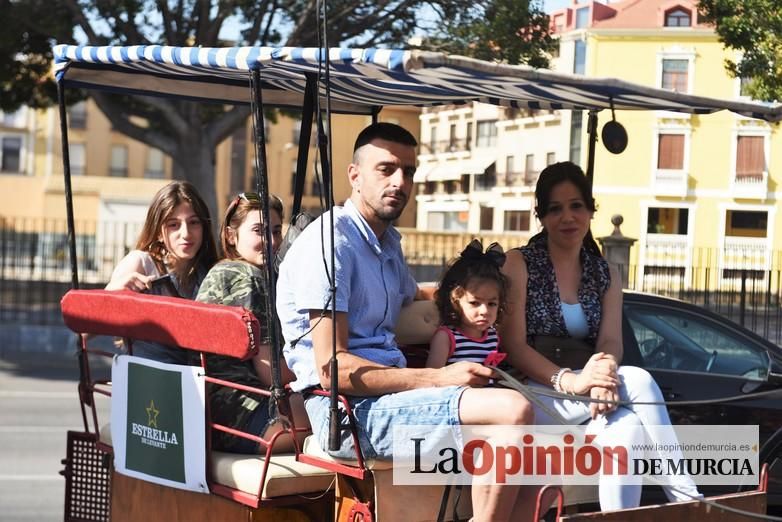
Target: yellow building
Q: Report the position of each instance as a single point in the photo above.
(688, 186)
(115, 177)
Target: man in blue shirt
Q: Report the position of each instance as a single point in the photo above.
(372, 284)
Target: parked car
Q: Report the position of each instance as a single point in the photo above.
(695, 354)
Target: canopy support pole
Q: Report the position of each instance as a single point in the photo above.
(262, 188)
(66, 170)
(592, 140)
(304, 145)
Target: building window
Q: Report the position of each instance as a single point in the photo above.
(576, 125)
(667, 221)
(750, 157)
(452, 142)
(447, 221)
(469, 135)
(13, 119)
(579, 57)
(487, 218)
(155, 164)
(551, 158)
(77, 116)
(675, 74)
(119, 161)
(293, 176)
(746, 223)
(678, 17)
(11, 154)
(296, 132)
(670, 151)
(487, 134)
(582, 17)
(510, 169)
(517, 220)
(239, 160)
(77, 154)
(433, 139)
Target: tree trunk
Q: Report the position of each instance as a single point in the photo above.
(194, 161)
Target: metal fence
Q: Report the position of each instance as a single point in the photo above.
(35, 266)
(741, 281)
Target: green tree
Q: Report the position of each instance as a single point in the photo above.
(189, 132)
(510, 31)
(754, 28)
(29, 29)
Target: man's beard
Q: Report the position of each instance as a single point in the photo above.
(390, 214)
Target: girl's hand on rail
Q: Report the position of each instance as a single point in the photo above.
(133, 281)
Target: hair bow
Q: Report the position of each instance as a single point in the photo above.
(474, 252)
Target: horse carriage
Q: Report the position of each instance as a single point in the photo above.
(305, 483)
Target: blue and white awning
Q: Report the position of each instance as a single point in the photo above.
(361, 80)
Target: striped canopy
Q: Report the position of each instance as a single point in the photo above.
(363, 80)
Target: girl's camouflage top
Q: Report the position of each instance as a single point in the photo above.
(234, 283)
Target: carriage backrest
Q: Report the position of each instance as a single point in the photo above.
(172, 321)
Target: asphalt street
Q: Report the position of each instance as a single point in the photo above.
(38, 405)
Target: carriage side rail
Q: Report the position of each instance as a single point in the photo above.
(199, 327)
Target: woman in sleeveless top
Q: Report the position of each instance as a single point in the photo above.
(561, 286)
(176, 241)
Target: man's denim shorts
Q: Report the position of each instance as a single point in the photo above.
(377, 416)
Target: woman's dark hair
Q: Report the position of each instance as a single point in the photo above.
(462, 273)
(553, 175)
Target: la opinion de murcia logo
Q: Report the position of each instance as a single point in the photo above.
(150, 435)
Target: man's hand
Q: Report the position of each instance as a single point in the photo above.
(465, 373)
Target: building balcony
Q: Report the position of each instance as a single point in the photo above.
(670, 182)
(750, 186)
(666, 250)
(446, 146)
(509, 180)
(751, 253)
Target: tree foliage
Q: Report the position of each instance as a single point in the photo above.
(29, 29)
(754, 29)
(510, 31)
(515, 31)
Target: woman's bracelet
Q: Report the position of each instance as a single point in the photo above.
(556, 379)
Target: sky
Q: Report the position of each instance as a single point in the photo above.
(553, 5)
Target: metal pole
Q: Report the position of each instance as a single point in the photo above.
(262, 188)
(307, 110)
(66, 170)
(591, 140)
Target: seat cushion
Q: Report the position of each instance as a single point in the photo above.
(285, 475)
(312, 448)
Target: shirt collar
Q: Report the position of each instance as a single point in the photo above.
(391, 234)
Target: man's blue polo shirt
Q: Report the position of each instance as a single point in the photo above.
(372, 280)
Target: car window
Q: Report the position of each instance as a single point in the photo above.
(678, 340)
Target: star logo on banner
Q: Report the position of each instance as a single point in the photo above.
(152, 414)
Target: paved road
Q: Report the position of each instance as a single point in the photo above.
(38, 404)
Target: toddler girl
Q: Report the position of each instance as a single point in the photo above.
(471, 298)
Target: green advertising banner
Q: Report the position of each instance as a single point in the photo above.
(155, 439)
(157, 422)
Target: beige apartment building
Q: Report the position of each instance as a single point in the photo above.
(115, 177)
